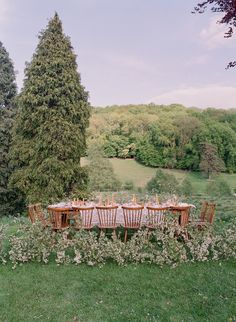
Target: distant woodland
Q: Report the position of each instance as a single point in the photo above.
(166, 136)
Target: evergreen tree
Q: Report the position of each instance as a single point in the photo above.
(49, 136)
(7, 79)
(8, 93)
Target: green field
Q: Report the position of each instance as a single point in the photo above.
(130, 170)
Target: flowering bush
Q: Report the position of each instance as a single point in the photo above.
(169, 244)
(31, 243)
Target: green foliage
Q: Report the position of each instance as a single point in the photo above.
(7, 79)
(218, 187)
(210, 161)
(186, 187)
(10, 200)
(128, 185)
(163, 183)
(166, 245)
(49, 135)
(165, 136)
(100, 170)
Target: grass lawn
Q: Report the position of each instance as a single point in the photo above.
(190, 292)
(129, 169)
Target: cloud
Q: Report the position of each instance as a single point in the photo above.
(212, 95)
(213, 35)
(125, 62)
(198, 60)
(3, 10)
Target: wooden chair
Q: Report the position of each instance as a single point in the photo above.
(35, 212)
(107, 218)
(132, 218)
(207, 214)
(155, 216)
(59, 217)
(31, 213)
(40, 215)
(183, 213)
(83, 217)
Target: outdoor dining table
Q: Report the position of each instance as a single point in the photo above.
(182, 211)
(61, 212)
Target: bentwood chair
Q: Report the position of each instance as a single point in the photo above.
(132, 218)
(107, 218)
(83, 217)
(155, 216)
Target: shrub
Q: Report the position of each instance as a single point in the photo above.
(219, 187)
(163, 183)
(186, 187)
(31, 243)
(169, 244)
(100, 170)
(128, 185)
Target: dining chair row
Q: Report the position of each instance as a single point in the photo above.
(82, 217)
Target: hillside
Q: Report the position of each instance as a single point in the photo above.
(165, 136)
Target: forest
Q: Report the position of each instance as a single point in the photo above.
(166, 136)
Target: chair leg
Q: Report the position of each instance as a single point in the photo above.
(149, 234)
(114, 234)
(126, 233)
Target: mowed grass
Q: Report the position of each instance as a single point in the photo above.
(190, 292)
(130, 170)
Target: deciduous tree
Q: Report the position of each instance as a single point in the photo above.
(228, 9)
(210, 161)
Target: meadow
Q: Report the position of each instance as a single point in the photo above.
(131, 170)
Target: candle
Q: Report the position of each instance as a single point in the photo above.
(100, 200)
(112, 199)
(134, 201)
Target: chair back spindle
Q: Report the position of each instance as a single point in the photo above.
(107, 216)
(155, 216)
(83, 217)
(132, 216)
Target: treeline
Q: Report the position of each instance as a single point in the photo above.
(165, 136)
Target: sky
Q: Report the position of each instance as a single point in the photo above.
(132, 51)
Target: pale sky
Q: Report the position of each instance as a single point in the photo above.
(132, 51)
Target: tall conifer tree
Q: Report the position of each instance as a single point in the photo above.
(8, 93)
(49, 136)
